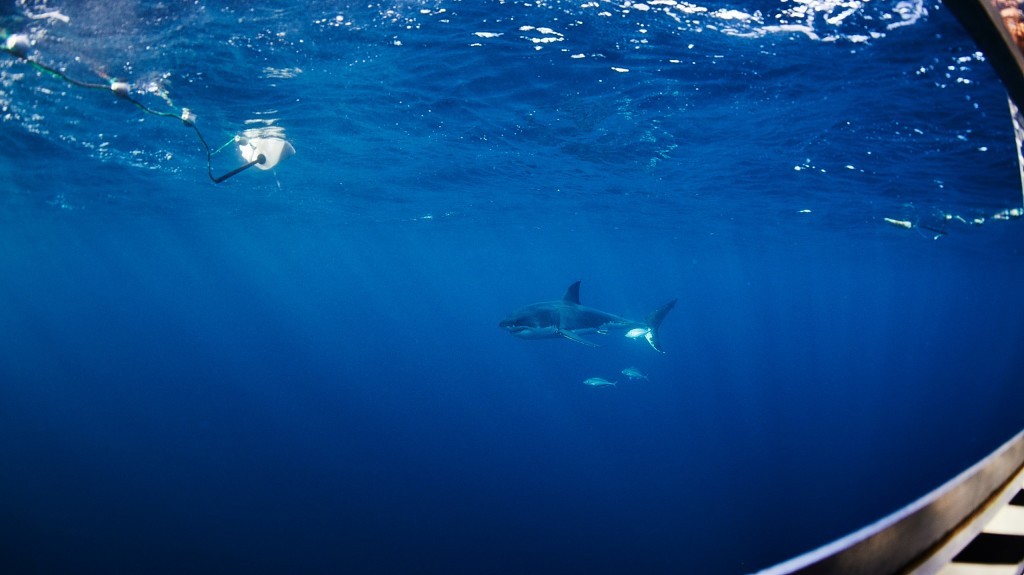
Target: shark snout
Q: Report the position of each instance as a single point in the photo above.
(509, 325)
(513, 325)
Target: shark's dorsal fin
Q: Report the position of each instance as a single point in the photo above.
(572, 295)
(572, 336)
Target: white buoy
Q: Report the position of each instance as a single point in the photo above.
(273, 150)
(17, 44)
(900, 223)
(120, 88)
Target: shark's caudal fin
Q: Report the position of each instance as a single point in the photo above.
(653, 321)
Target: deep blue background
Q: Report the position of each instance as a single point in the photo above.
(301, 371)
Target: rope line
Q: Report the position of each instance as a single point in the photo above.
(121, 90)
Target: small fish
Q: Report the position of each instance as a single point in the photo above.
(634, 373)
(638, 332)
(598, 382)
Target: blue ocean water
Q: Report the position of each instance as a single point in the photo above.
(300, 370)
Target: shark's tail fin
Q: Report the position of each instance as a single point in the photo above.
(653, 321)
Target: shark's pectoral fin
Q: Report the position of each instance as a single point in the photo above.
(572, 336)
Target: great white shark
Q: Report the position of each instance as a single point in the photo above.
(568, 318)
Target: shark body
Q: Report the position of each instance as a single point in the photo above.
(568, 318)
